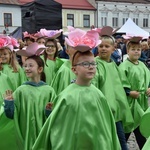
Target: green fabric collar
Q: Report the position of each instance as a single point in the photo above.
(35, 84)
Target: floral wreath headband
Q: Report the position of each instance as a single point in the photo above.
(52, 34)
(7, 41)
(81, 40)
(32, 49)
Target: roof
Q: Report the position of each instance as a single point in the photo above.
(77, 4)
(10, 2)
(127, 1)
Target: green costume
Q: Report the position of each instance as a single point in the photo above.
(136, 78)
(30, 100)
(50, 69)
(63, 77)
(145, 128)
(147, 145)
(7, 133)
(107, 79)
(81, 119)
(17, 78)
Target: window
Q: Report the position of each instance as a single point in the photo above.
(125, 17)
(145, 22)
(7, 19)
(104, 19)
(70, 20)
(86, 20)
(135, 19)
(115, 20)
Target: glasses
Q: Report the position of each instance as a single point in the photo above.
(52, 46)
(87, 64)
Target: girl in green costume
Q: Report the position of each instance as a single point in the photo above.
(107, 79)
(7, 133)
(11, 67)
(26, 105)
(81, 117)
(52, 62)
(136, 81)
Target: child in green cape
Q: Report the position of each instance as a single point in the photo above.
(27, 104)
(81, 117)
(107, 79)
(136, 80)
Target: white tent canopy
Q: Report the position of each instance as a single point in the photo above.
(131, 28)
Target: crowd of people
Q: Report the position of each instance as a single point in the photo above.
(87, 93)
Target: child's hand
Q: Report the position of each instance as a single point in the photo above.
(49, 106)
(148, 92)
(8, 95)
(134, 94)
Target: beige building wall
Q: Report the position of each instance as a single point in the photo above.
(78, 18)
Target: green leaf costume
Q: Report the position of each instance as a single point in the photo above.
(136, 78)
(81, 120)
(17, 78)
(50, 69)
(107, 79)
(63, 77)
(30, 100)
(7, 133)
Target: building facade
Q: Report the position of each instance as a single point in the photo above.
(10, 14)
(115, 13)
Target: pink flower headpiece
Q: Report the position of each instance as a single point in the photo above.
(26, 34)
(48, 33)
(32, 49)
(82, 40)
(132, 37)
(8, 41)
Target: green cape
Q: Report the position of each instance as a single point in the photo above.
(107, 79)
(30, 100)
(17, 78)
(144, 124)
(7, 133)
(50, 69)
(63, 77)
(147, 145)
(81, 120)
(136, 77)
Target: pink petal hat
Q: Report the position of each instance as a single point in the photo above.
(107, 30)
(32, 49)
(82, 40)
(52, 34)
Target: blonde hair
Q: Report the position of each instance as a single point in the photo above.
(13, 61)
(108, 38)
(145, 43)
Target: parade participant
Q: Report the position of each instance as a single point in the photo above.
(107, 79)
(136, 80)
(52, 62)
(81, 117)
(9, 64)
(27, 104)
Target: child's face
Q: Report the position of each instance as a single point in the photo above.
(5, 56)
(51, 48)
(83, 70)
(134, 53)
(32, 70)
(105, 50)
(41, 41)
